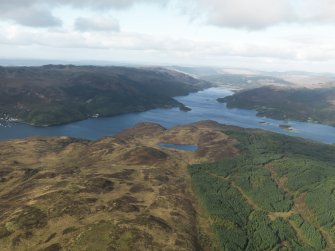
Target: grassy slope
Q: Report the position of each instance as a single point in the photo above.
(125, 193)
(277, 195)
(296, 104)
(65, 194)
(118, 193)
(50, 95)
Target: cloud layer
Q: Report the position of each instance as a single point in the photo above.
(290, 48)
(259, 14)
(257, 29)
(106, 23)
(38, 13)
(247, 14)
(28, 15)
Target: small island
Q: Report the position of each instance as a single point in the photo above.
(184, 108)
(264, 123)
(287, 127)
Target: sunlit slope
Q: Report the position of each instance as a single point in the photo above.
(118, 193)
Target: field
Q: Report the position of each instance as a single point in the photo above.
(276, 195)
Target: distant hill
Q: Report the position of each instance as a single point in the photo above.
(242, 78)
(199, 71)
(56, 94)
(300, 104)
(241, 82)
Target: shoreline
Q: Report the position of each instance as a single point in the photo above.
(17, 121)
(179, 105)
(203, 101)
(275, 118)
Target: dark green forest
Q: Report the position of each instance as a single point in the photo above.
(278, 194)
(58, 94)
(300, 104)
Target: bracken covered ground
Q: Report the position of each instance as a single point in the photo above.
(118, 193)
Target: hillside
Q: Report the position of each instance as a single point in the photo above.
(57, 94)
(276, 195)
(300, 104)
(118, 193)
(262, 191)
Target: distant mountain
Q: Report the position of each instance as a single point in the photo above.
(197, 71)
(233, 79)
(205, 71)
(287, 103)
(56, 94)
(241, 78)
(41, 62)
(240, 82)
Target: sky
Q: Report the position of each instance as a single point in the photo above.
(280, 35)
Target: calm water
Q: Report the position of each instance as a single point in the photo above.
(204, 107)
(189, 148)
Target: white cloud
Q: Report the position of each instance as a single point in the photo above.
(259, 14)
(250, 14)
(247, 14)
(98, 23)
(33, 17)
(29, 15)
(92, 26)
(38, 13)
(100, 4)
(285, 48)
